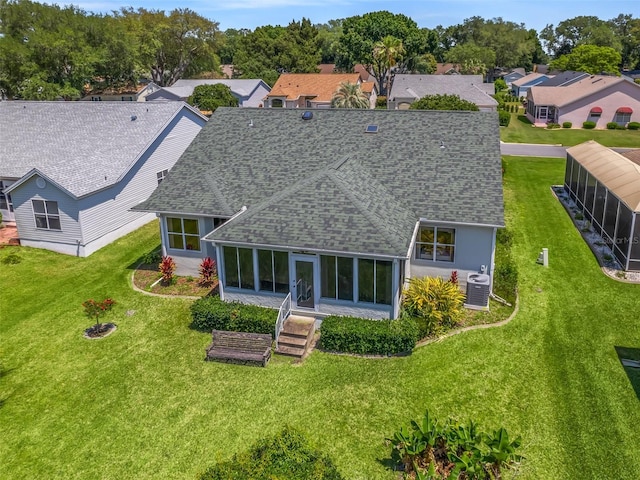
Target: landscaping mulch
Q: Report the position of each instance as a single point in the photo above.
(147, 275)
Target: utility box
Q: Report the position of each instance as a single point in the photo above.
(478, 289)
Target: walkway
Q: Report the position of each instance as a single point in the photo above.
(9, 235)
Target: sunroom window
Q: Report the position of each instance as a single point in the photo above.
(238, 267)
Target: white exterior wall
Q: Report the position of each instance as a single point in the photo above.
(474, 247)
(68, 239)
(256, 98)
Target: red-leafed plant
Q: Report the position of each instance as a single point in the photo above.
(95, 310)
(167, 269)
(208, 270)
(454, 277)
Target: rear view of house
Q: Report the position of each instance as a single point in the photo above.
(71, 171)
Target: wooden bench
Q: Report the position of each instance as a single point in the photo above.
(240, 347)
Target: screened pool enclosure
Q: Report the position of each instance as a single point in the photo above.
(605, 185)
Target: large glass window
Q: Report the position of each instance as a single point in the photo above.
(598, 206)
(436, 244)
(238, 267)
(273, 271)
(374, 281)
(574, 179)
(622, 118)
(623, 232)
(582, 183)
(567, 172)
(184, 233)
(635, 243)
(336, 277)
(5, 199)
(46, 214)
(589, 195)
(610, 215)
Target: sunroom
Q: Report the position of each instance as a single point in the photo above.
(606, 186)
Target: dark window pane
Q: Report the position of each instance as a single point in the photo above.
(281, 268)
(245, 256)
(327, 276)
(635, 240)
(582, 180)
(54, 223)
(175, 241)
(623, 231)
(567, 171)
(52, 208)
(610, 215)
(425, 251)
(265, 271)
(446, 236)
(598, 207)
(444, 253)
(365, 280)
(230, 256)
(41, 221)
(345, 278)
(38, 206)
(191, 226)
(574, 179)
(426, 234)
(192, 242)
(174, 224)
(590, 194)
(383, 282)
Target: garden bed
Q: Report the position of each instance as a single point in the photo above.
(146, 278)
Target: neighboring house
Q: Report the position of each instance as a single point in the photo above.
(447, 69)
(337, 207)
(407, 89)
(249, 92)
(606, 186)
(563, 79)
(511, 77)
(327, 68)
(314, 90)
(598, 98)
(71, 171)
(520, 87)
(126, 93)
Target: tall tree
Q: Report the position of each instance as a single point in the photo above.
(386, 54)
(443, 102)
(580, 30)
(210, 97)
(627, 30)
(349, 95)
(472, 58)
(171, 46)
(591, 59)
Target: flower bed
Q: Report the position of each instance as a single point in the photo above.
(147, 278)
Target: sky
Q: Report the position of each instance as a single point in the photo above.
(428, 13)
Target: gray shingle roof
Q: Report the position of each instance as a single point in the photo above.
(467, 87)
(326, 184)
(241, 87)
(81, 146)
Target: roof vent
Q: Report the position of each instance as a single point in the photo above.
(442, 145)
(251, 123)
(133, 118)
(371, 129)
(307, 115)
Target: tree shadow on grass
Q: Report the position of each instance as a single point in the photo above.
(141, 259)
(633, 372)
(524, 119)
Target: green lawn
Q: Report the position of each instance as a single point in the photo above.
(520, 130)
(143, 404)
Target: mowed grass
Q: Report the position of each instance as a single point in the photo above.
(143, 404)
(520, 130)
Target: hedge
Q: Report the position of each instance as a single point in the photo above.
(504, 118)
(286, 455)
(589, 125)
(634, 126)
(209, 313)
(567, 124)
(368, 337)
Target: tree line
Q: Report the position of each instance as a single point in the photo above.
(51, 51)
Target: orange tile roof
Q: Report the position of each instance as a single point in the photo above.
(320, 86)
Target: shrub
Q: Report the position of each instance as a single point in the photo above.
(12, 259)
(505, 275)
(152, 258)
(286, 455)
(630, 126)
(208, 270)
(453, 278)
(567, 124)
(434, 303)
(381, 102)
(588, 125)
(167, 268)
(429, 448)
(368, 337)
(95, 309)
(504, 118)
(211, 313)
(612, 126)
(579, 216)
(552, 125)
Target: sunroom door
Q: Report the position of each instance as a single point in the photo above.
(6, 207)
(303, 291)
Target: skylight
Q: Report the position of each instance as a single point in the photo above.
(371, 129)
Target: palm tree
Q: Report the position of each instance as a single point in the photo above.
(349, 95)
(386, 54)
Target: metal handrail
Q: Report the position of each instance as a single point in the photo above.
(283, 314)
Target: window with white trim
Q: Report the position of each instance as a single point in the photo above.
(336, 277)
(183, 233)
(160, 176)
(436, 244)
(374, 281)
(5, 198)
(46, 214)
(238, 267)
(622, 118)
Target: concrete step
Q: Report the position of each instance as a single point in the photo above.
(292, 351)
(291, 340)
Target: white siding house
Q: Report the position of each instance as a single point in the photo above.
(80, 167)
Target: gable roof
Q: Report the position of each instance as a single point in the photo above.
(80, 146)
(619, 174)
(183, 88)
(529, 78)
(447, 69)
(306, 181)
(561, 96)
(467, 87)
(321, 86)
(563, 79)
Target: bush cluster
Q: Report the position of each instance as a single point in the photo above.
(567, 124)
(286, 455)
(368, 337)
(505, 281)
(614, 126)
(211, 313)
(633, 126)
(552, 125)
(588, 125)
(152, 258)
(504, 118)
